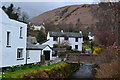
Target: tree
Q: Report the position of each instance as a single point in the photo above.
(15, 13)
(106, 38)
(24, 16)
(41, 36)
(4, 8)
(10, 12)
(109, 17)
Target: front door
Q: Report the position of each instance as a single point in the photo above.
(47, 55)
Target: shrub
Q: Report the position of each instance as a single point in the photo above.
(96, 50)
(106, 55)
(85, 47)
(55, 46)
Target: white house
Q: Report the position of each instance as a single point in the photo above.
(37, 26)
(74, 39)
(34, 53)
(12, 41)
(90, 36)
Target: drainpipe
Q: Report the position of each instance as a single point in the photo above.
(26, 56)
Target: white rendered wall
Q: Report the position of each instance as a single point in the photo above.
(71, 42)
(91, 37)
(9, 54)
(35, 56)
(37, 27)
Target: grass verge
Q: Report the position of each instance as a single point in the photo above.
(57, 70)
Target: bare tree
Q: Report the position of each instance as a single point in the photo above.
(24, 17)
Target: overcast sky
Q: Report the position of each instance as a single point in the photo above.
(36, 8)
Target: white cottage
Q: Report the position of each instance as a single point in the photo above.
(34, 53)
(12, 41)
(74, 39)
(90, 36)
(37, 26)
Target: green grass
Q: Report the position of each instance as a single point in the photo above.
(21, 72)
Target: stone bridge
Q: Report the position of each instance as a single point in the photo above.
(80, 58)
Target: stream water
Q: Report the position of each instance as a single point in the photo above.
(86, 70)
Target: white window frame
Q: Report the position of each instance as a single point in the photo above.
(20, 55)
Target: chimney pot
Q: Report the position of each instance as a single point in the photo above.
(61, 30)
(80, 31)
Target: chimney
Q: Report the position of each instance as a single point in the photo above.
(80, 32)
(43, 23)
(62, 31)
(89, 34)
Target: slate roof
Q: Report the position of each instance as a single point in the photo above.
(90, 34)
(65, 34)
(42, 46)
(31, 46)
(36, 24)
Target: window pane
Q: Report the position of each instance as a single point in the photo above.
(55, 38)
(8, 38)
(19, 53)
(76, 39)
(76, 46)
(66, 38)
(20, 32)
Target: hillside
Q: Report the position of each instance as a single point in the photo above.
(78, 15)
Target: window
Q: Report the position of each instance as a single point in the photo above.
(76, 46)
(55, 38)
(76, 39)
(19, 53)
(8, 39)
(21, 32)
(66, 38)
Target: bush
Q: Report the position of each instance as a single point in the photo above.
(85, 47)
(55, 46)
(106, 55)
(96, 50)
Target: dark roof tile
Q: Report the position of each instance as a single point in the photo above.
(65, 34)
